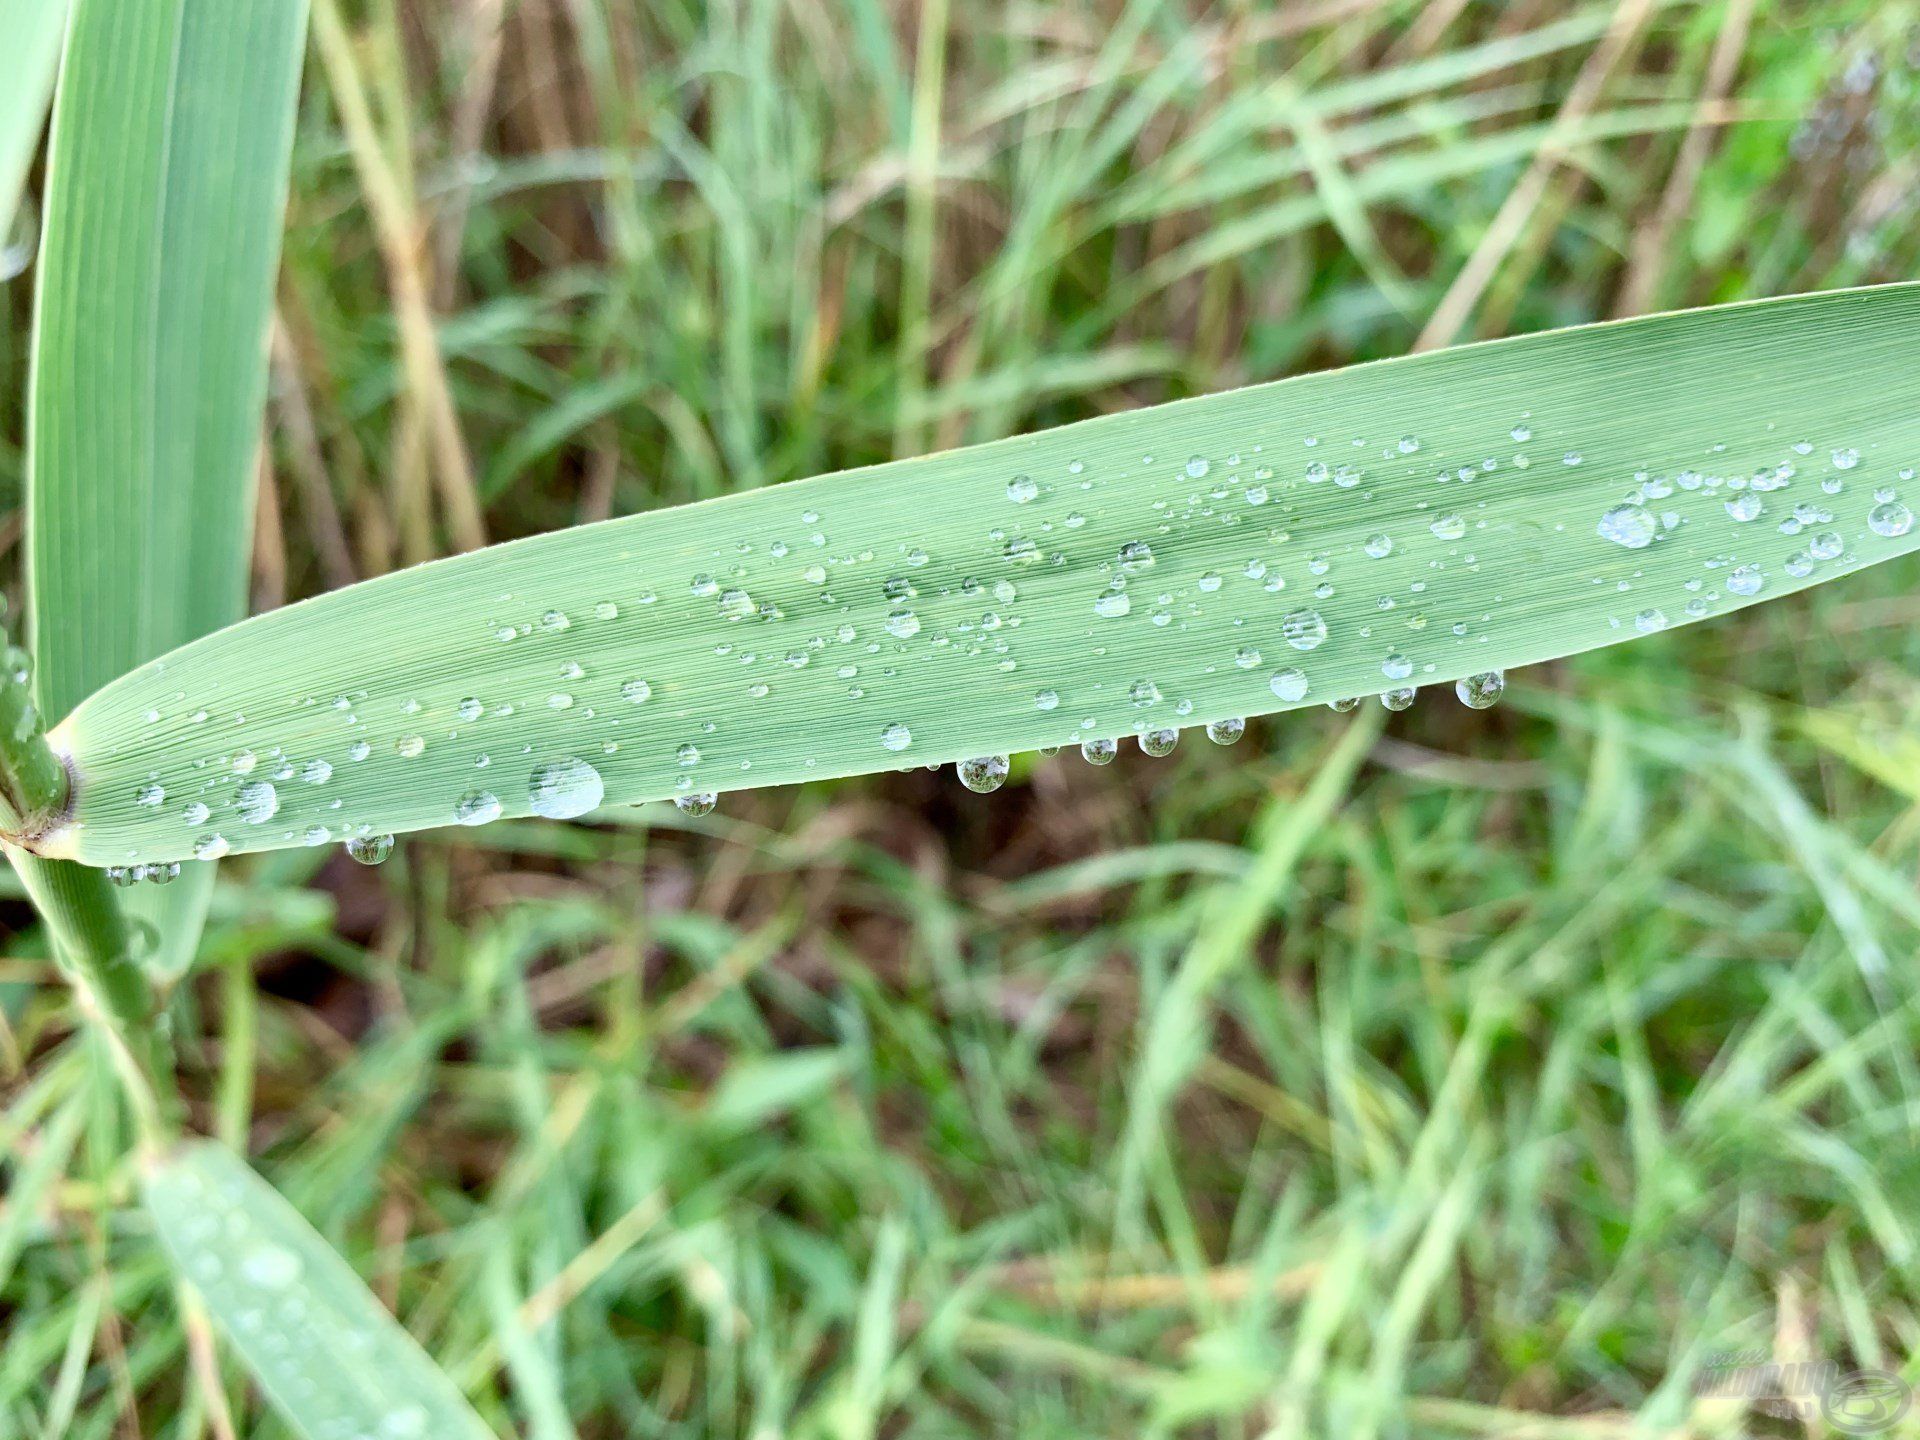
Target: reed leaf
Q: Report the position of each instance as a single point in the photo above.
(1400, 524)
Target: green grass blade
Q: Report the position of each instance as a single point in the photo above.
(326, 1353)
(33, 29)
(166, 188)
(781, 633)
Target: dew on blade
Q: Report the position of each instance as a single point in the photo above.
(1225, 732)
(698, 803)
(896, 737)
(476, 807)
(1397, 699)
(1303, 629)
(1633, 526)
(1099, 752)
(984, 774)
(259, 802)
(1289, 684)
(1159, 743)
(1481, 692)
(370, 849)
(562, 789)
(1890, 519)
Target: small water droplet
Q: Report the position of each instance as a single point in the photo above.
(370, 849)
(1225, 732)
(1303, 629)
(697, 803)
(1746, 580)
(1397, 699)
(896, 737)
(150, 796)
(1021, 489)
(1099, 752)
(1890, 519)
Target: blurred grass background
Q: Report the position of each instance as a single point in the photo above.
(1484, 1077)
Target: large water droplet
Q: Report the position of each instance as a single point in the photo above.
(697, 803)
(1289, 684)
(1303, 629)
(1099, 752)
(1481, 692)
(1021, 489)
(476, 807)
(1890, 519)
(258, 801)
(1158, 743)
(1746, 580)
(1633, 526)
(563, 789)
(896, 737)
(1397, 699)
(983, 774)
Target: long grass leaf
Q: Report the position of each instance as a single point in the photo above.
(166, 188)
(33, 29)
(322, 1348)
(1393, 525)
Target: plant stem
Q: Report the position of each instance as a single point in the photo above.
(33, 781)
(91, 938)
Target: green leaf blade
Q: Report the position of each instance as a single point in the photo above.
(167, 184)
(322, 1348)
(926, 594)
(33, 29)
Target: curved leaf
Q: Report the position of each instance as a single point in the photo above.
(1335, 535)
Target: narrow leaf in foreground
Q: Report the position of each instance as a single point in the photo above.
(1408, 523)
(321, 1347)
(33, 29)
(166, 190)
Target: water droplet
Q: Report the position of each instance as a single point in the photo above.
(150, 795)
(195, 812)
(563, 789)
(1136, 555)
(1650, 620)
(476, 807)
(1745, 506)
(638, 691)
(1449, 527)
(1021, 489)
(1099, 752)
(1397, 699)
(1746, 580)
(271, 1267)
(1481, 692)
(1827, 545)
(370, 849)
(698, 803)
(1197, 468)
(1846, 459)
(688, 754)
(1303, 629)
(903, 624)
(1633, 526)
(1346, 705)
(984, 774)
(316, 772)
(1521, 433)
(1890, 519)
(896, 737)
(1396, 666)
(1225, 732)
(409, 747)
(1112, 605)
(1408, 445)
(1379, 546)
(1143, 693)
(1289, 684)
(258, 801)
(210, 847)
(1159, 743)
(1046, 699)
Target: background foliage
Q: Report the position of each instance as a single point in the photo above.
(1574, 1041)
